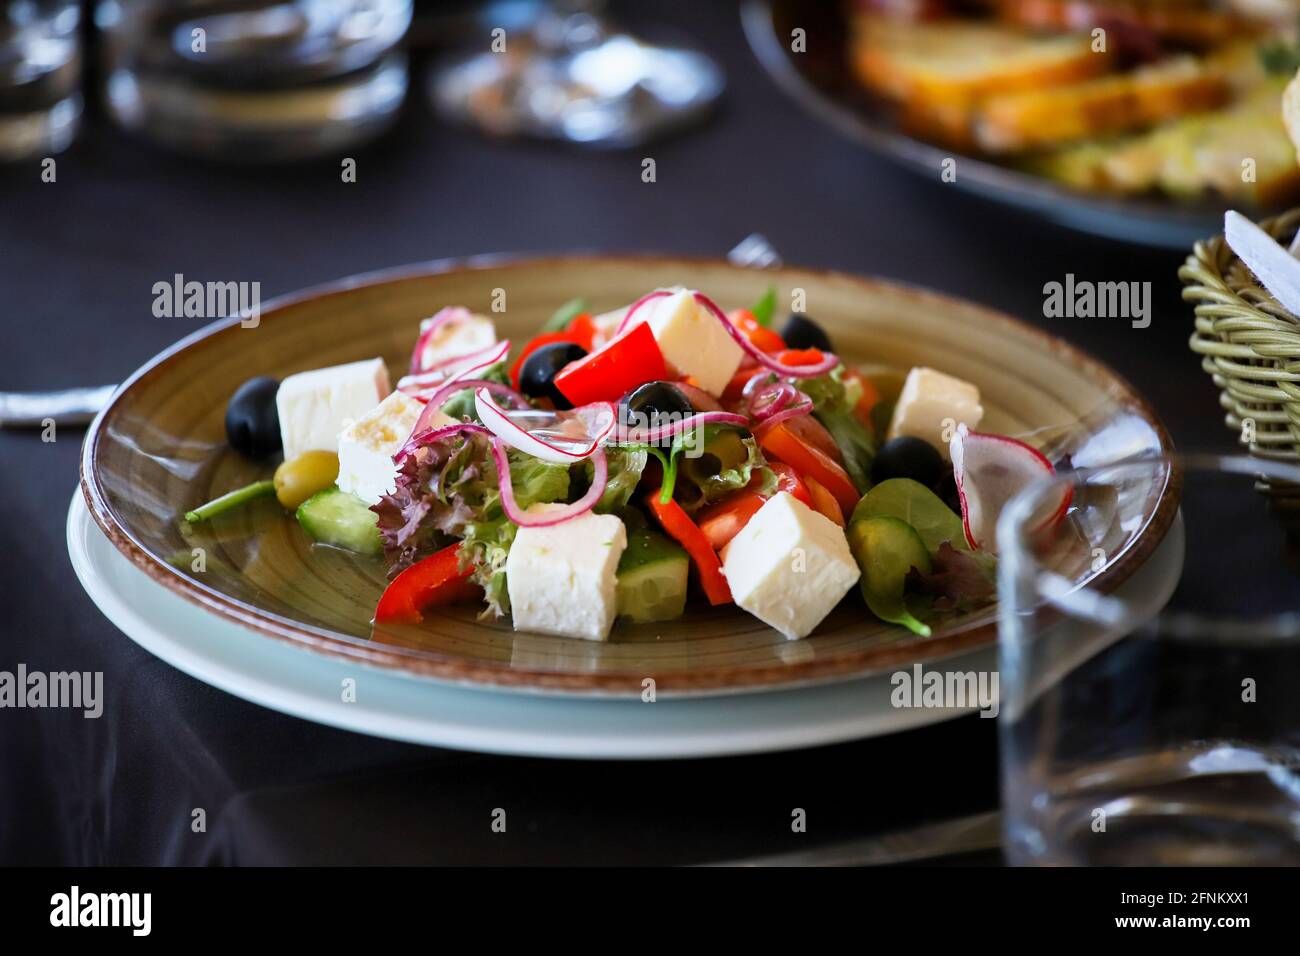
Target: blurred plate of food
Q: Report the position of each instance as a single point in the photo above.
(1140, 121)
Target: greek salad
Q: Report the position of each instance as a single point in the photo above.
(621, 465)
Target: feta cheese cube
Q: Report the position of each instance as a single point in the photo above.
(461, 334)
(367, 446)
(313, 406)
(693, 340)
(927, 399)
(561, 578)
(789, 566)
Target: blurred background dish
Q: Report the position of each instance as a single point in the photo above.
(1136, 121)
(40, 76)
(565, 71)
(254, 82)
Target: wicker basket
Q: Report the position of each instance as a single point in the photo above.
(1250, 345)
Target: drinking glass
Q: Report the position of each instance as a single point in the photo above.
(243, 80)
(1150, 665)
(40, 75)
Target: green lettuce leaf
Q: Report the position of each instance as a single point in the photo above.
(764, 310)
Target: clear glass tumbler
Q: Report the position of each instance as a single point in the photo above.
(1150, 666)
(40, 77)
(249, 81)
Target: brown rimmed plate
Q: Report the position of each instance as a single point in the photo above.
(159, 449)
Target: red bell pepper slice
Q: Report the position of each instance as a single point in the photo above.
(784, 445)
(797, 357)
(824, 501)
(623, 363)
(435, 580)
(682, 529)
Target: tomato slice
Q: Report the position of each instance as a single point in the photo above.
(736, 387)
(787, 479)
(760, 336)
(617, 367)
(435, 580)
(824, 501)
(679, 525)
(784, 445)
(723, 520)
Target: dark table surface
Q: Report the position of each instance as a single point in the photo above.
(78, 259)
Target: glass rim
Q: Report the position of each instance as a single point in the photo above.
(1083, 600)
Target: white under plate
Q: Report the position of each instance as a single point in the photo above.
(294, 681)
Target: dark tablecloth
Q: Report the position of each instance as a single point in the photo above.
(78, 259)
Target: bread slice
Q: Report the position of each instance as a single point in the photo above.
(1291, 110)
(1017, 122)
(1188, 22)
(1195, 156)
(952, 64)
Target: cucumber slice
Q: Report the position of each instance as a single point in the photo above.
(886, 549)
(335, 517)
(651, 578)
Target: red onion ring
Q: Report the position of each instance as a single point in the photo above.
(428, 437)
(433, 406)
(631, 309)
(439, 319)
(828, 362)
(769, 399)
(629, 436)
(792, 411)
(525, 520)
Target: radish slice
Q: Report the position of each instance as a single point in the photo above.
(650, 436)
(559, 437)
(456, 313)
(421, 384)
(758, 355)
(551, 516)
(427, 437)
(1276, 268)
(433, 407)
(990, 471)
(632, 309)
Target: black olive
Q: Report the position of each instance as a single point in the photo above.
(537, 376)
(252, 421)
(654, 404)
(908, 457)
(801, 332)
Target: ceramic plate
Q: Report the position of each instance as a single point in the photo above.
(822, 82)
(159, 449)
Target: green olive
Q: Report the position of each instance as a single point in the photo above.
(299, 478)
(724, 451)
